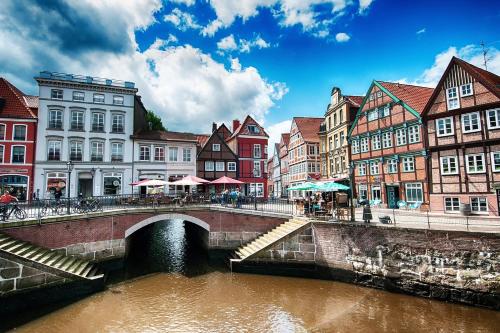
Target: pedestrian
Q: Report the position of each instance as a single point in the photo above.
(5, 199)
(367, 213)
(58, 194)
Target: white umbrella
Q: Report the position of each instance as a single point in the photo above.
(154, 182)
(185, 182)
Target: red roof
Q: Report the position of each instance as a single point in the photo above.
(242, 129)
(489, 79)
(17, 104)
(415, 96)
(308, 127)
(356, 100)
(286, 138)
(202, 139)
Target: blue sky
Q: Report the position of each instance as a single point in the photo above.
(198, 61)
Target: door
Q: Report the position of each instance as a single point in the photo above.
(498, 201)
(392, 196)
(85, 187)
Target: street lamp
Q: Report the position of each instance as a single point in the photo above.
(68, 187)
(351, 187)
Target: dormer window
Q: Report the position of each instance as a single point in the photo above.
(216, 147)
(466, 89)
(253, 129)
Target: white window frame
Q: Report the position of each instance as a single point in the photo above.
(375, 140)
(401, 137)
(118, 100)
(187, 155)
(2, 155)
(231, 166)
(392, 166)
(387, 140)
(374, 168)
(113, 151)
(452, 99)
(14, 132)
(117, 116)
(364, 144)
(255, 174)
(12, 154)
(453, 206)
(446, 132)
(415, 187)
(479, 204)
(219, 166)
(372, 115)
(362, 169)
(98, 143)
(209, 166)
(496, 116)
(355, 146)
(469, 116)
(77, 144)
(414, 134)
(257, 151)
(472, 169)
(160, 157)
(97, 97)
(96, 126)
(216, 147)
(49, 144)
(170, 157)
(143, 151)
(470, 85)
(78, 93)
(56, 95)
(76, 112)
(408, 163)
(57, 112)
(494, 166)
(446, 161)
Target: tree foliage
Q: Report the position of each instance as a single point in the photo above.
(154, 121)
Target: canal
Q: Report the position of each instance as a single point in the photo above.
(169, 284)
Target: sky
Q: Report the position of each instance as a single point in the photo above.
(199, 61)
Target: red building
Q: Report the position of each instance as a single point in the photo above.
(249, 142)
(18, 125)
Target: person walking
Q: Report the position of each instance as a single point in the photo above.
(367, 213)
(5, 200)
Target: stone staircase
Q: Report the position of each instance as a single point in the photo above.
(268, 239)
(48, 260)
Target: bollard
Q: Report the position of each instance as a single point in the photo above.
(467, 222)
(393, 217)
(428, 220)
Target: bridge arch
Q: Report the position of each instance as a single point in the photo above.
(162, 217)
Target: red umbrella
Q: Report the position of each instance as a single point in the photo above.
(138, 182)
(226, 180)
(195, 179)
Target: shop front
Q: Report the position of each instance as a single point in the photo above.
(17, 185)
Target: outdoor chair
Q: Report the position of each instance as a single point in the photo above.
(414, 206)
(402, 204)
(375, 203)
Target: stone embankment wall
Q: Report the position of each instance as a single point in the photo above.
(448, 265)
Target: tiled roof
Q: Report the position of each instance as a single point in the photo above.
(356, 100)
(31, 101)
(308, 127)
(241, 129)
(16, 106)
(286, 138)
(165, 136)
(488, 78)
(202, 139)
(415, 96)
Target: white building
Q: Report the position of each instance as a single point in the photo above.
(276, 172)
(164, 155)
(88, 121)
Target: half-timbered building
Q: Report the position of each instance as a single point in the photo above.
(463, 125)
(387, 145)
(283, 155)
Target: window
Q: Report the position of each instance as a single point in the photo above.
(471, 122)
(99, 98)
(256, 169)
(335, 119)
(375, 142)
(186, 154)
(18, 153)
(54, 151)
(355, 147)
(209, 165)
(451, 205)
(96, 151)
(335, 141)
(2, 132)
(159, 154)
(1, 153)
(112, 183)
(117, 152)
(231, 166)
(118, 123)
(312, 150)
(55, 119)
(77, 120)
(56, 94)
(364, 145)
(493, 118)
(256, 151)
(376, 193)
(495, 161)
(363, 192)
(219, 166)
(144, 153)
(466, 89)
(374, 168)
(449, 165)
(54, 179)
(401, 136)
(372, 115)
(392, 166)
(385, 111)
(216, 147)
(172, 154)
(387, 139)
(75, 150)
(118, 100)
(444, 126)
(98, 122)
(342, 139)
(479, 205)
(408, 164)
(253, 129)
(475, 163)
(414, 134)
(78, 96)
(414, 192)
(256, 189)
(19, 133)
(452, 98)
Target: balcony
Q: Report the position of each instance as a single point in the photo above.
(117, 129)
(116, 158)
(55, 156)
(76, 157)
(96, 158)
(76, 126)
(55, 125)
(97, 127)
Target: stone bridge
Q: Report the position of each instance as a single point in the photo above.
(100, 236)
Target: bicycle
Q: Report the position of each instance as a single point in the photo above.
(86, 205)
(18, 212)
(55, 207)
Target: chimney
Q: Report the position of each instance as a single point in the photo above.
(236, 124)
(214, 127)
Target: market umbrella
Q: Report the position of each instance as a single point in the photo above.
(138, 182)
(226, 180)
(154, 182)
(196, 179)
(331, 187)
(190, 181)
(308, 186)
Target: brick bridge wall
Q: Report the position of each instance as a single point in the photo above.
(102, 236)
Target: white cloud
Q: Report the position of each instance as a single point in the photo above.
(229, 44)
(275, 132)
(184, 2)
(182, 20)
(364, 5)
(470, 53)
(421, 31)
(289, 12)
(342, 37)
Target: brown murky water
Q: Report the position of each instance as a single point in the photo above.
(189, 295)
